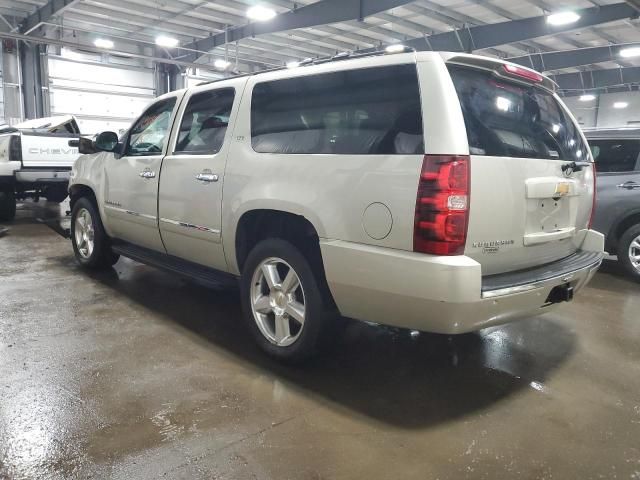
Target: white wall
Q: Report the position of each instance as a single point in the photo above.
(600, 112)
(1, 91)
(102, 96)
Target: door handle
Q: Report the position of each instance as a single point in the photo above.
(629, 185)
(207, 177)
(147, 174)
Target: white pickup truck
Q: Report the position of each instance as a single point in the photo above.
(35, 161)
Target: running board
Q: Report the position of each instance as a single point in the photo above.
(199, 273)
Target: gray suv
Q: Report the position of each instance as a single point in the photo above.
(617, 215)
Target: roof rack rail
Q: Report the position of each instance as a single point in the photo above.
(352, 55)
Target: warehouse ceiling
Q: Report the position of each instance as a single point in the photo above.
(206, 31)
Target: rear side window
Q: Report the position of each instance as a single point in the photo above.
(205, 121)
(616, 155)
(357, 112)
(506, 119)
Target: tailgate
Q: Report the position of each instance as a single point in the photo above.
(41, 150)
(531, 175)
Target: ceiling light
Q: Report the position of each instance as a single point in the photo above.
(260, 13)
(587, 97)
(503, 103)
(395, 48)
(293, 64)
(630, 52)
(562, 18)
(620, 104)
(221, 64)
(103, 43)
(168, 42)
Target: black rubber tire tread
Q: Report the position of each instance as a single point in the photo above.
(7, 205)
(318, 316)
(102, 257)
(623, 248)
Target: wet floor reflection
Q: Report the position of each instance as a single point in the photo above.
(380, 372)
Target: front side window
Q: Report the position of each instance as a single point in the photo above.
(205, 121)
(507, 119)
(616, 155)
(358, 112)
(149, 134)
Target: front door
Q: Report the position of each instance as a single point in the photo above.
(131, 181)
(190, 201)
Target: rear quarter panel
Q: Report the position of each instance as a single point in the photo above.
(332, 191)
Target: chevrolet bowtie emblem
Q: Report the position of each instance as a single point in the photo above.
(563, 188)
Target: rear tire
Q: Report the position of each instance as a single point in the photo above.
(7, 205)
(629, 251)
(91, 245)
(282, 301)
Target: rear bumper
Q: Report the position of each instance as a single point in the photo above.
(446, 294)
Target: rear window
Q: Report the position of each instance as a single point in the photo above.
(616, 155)
(506, 119)
(358, 112)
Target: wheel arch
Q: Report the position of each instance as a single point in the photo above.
(620, 226)
(258, 224)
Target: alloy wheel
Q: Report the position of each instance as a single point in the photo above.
(84, 233)
(278, 301)
(634, 253)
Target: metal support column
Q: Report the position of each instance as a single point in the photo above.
(34, 81)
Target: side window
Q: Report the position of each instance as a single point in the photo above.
(149, 134)
(204, 123)
(616, 155)
(357, 112)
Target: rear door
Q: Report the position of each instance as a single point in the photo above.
(190, 199)
(618, 185)
(528, 202)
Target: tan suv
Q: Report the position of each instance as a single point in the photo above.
(434, 191)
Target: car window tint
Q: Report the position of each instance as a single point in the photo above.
(205, 122)
(616, 155)
(367, 111)
(508, 119)
(149, 134)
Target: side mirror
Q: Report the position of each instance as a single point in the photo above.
(85, 146)
(106, 142)
(74, 143)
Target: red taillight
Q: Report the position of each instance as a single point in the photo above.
(523, 73)
(593, 205)
(442, 206)
(15, 148)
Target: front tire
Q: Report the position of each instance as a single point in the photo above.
(629, 251)
(282, 301)
(7, 205)
(90, 242)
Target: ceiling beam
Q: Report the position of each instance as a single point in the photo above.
(495, 34)
(549, 61)
(578, 83)
(323, 12)
(45, 14)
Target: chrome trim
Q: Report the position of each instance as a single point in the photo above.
(563, 278)
(131, 212)
(200, 228)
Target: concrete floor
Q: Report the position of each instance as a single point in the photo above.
(135, 374)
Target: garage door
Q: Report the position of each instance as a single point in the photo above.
(101, 96)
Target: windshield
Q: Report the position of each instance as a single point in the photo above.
(507, 119)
